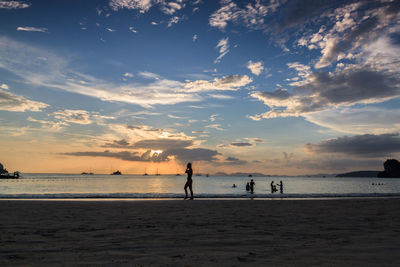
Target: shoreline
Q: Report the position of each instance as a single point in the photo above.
(334, 232)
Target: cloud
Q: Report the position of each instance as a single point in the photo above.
(32, 29)
(215, 126)
(110, 30)
(128, 75)
(74, 116)
(144, 5)
(326, 91)
(220, 96)
(194, 38)
(41, 68)
(49, 125)
(225, 83)
(132, 29)
(251, 16)
(235, 161)
(255, 67)
(14, 4)
(174, 20)
(213, 117)
(241, 144)
(141, 5)
(4, 86)
(367, 145)
(371, 120)
(12, 102)
(223, 46)
(179, 154)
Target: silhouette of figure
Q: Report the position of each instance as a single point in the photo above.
(281, 187)
(252, 184)
(247, 186)
(189, 181)
(272, 187)
(234, 185)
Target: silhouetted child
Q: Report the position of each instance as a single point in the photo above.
(247, 186)
(234, 186)
(189, 181)
(272, 187)
(252, 184)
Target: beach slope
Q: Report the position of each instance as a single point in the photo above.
(357, 232)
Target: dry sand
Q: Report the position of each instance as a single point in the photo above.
(201, 233)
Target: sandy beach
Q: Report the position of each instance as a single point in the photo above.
(356, 232)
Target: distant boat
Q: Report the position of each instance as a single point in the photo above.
(250, 175)
(157, 173)
(116, 173)
(178, 174)
(87, 173)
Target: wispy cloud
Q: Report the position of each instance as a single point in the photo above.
(14, 4)
(226, 83)
(223, 46)
(32, 29)
(194, 38)
(42, 68)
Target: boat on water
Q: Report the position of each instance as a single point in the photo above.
(116, 173)
(87, 173)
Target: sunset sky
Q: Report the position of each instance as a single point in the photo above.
(276, 86)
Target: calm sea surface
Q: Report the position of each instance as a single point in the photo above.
(134, 186)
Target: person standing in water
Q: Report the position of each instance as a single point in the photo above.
(189, 181)
(252, 184)
(281, 187)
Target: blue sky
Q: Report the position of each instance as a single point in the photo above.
(279, 87)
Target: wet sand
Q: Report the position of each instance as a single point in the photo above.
(345, 232)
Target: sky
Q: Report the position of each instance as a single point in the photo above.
(275, 86)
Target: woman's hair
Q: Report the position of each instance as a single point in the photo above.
(189, 165)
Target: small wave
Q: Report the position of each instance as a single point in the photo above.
(177, 196)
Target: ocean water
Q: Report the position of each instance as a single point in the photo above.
(69, 186)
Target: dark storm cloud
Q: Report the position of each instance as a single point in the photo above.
(351, 86)
(367, 145)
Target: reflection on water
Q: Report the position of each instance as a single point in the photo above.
(159, 186)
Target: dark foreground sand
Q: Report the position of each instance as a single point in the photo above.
(201, 233)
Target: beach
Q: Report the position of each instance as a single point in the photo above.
(337, 232)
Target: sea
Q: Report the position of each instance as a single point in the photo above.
(135, 187)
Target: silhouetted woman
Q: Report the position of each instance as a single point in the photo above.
(189, 181)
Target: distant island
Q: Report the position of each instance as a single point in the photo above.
(391, 166)
(359, 174)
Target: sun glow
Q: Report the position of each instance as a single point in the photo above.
(156, 152)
